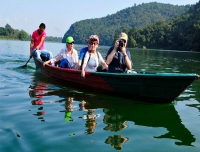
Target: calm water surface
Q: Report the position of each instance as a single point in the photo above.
(39, 114)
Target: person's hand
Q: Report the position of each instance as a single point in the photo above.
(123, 50)
(37, 48)
(83, 74)
(44, 63)
(116, 44)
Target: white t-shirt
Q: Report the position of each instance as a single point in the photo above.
(93, 63)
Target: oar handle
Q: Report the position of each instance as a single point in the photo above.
(29, 59)
(31, 55)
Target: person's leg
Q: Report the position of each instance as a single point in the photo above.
(44, 55)
(36, 53)
(49, 52)
(64, 63)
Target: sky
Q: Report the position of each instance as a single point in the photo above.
(59, 15)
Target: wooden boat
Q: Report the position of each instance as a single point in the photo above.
(158, 88)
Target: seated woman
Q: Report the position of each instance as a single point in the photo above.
(66, 55)
(92, 57)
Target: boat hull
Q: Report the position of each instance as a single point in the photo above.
(159, 88)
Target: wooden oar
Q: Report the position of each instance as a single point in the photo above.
(25, 65)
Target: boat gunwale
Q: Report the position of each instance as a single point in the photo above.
(148, 74)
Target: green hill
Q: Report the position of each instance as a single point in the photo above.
(179, 33)
(133, 17)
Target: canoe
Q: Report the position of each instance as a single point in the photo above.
(160, 88)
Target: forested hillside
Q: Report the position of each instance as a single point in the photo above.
(180, 33)
(133, 17)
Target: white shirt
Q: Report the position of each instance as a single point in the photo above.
(93, 63)
(73, 59)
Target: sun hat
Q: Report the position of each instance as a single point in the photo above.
(123, 36)
(69, 39)
(94, 37)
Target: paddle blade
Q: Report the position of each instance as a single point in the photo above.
(25, 65)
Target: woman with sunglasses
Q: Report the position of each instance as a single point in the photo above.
(92, 57)
(68, 56)
(118, 57)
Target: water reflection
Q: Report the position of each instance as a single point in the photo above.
(69, 110)
(113, 120)
(90, 118)
(116, 114)
(37, 92)
(150, 115)
(116, 141)
(90, 123)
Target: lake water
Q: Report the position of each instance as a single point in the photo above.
(39, 114)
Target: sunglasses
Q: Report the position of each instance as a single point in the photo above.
(71, 43)
(91, 43)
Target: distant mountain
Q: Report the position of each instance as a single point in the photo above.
(133, 17)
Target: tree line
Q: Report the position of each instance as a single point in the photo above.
(8, 32)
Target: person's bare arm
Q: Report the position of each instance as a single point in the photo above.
(112, 53)
(31, 47)
(79, 64)
(46, 62)
(104, 65)
(127, 60)
(83, 70)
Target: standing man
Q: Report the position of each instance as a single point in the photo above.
(37, 42)
(118, 57)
